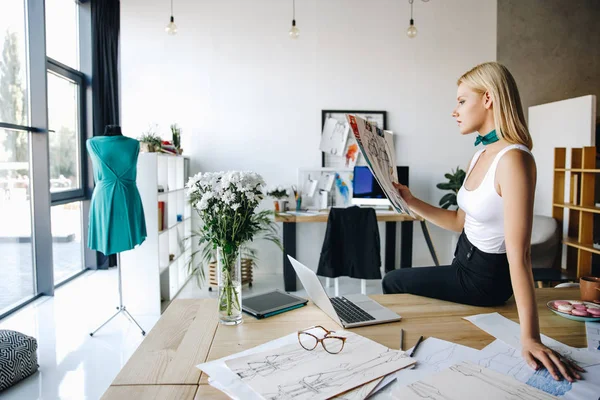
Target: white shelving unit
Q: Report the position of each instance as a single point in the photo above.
(154, 272)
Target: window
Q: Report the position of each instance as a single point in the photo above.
(13, 64)
(43, 127)
(64, 137)
(16, 264)
(62, 32)
(67, 249)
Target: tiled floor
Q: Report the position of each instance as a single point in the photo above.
(74, 365)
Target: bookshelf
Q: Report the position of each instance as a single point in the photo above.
(578, 226)
(156, 270)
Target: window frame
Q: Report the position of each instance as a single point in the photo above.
(78, 77)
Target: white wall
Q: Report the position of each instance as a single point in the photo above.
(566, 123)
(248, 97)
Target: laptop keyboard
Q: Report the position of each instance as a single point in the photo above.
(348, 311)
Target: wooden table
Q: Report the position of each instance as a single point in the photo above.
(389, 217)
(188, 333)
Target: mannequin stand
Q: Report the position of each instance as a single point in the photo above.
(121, 307)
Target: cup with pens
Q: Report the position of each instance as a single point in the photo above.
(297, 198)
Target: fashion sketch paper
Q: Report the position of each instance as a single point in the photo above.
(292, 372)
(377, 147)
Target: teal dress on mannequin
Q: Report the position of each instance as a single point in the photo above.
(117, 220)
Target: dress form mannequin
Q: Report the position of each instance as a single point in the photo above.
(117, 221)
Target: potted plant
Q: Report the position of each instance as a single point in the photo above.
(226, 203)
(280, 194)
(455, 181)
(176, 131)
(150, 142)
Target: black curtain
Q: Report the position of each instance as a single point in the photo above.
(105, 78)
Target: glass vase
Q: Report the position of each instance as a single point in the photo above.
(229, 275)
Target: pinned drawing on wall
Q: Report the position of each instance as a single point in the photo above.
(309, 187)
(351, 155)
(336, 182)
(334, 137)
(342, 194)
(326, 181)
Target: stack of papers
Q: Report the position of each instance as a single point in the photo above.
(282, 369)
(446, 370)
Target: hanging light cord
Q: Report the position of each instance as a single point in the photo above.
(171, 8)
(294, 10)
(411, 8)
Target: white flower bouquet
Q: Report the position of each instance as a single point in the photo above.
(226, 203)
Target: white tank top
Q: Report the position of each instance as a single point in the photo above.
(483, 207)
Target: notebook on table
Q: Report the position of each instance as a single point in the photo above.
(271, 303)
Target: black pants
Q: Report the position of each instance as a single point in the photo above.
(474, 278)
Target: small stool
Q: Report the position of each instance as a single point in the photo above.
(213, 281)
(18, 357)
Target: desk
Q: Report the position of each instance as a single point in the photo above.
(188, 333)
(389, 217)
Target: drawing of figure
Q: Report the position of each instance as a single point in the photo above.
(325, 382)
(384, 159)
(504, 383)
(343, 189)
(440, 357)
(351, 155)
(427, 391)
(373, 148)
(338, 137)
(274, 363)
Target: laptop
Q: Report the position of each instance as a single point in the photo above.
(349, 311)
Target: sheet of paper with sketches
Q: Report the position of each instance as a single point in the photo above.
(334, 137)
(592, 330)
(351, 152)
(326, 181)
(467, 380)
(310, 187)
(377, 148)
(221, 377)
(432, 356)
(360, 393)
(507, 360)
(291, 372)
(510, 333)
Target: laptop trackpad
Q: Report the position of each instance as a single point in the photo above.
(369, 306)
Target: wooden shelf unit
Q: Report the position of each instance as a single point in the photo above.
(155, 271)
(580, 205)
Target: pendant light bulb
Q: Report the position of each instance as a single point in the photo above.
(294, 32)
(411, 32)
(171, 28)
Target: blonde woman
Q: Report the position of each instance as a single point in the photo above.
(492, 259)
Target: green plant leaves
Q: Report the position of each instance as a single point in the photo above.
(455, 181)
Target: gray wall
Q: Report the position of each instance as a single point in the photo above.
(552, 47)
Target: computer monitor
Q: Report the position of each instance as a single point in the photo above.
(367, 192)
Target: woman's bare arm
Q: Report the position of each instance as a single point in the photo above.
(516, 177)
